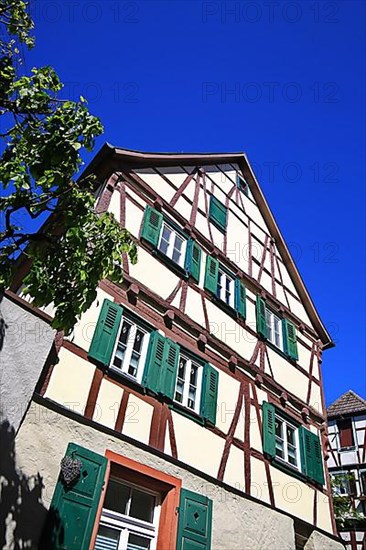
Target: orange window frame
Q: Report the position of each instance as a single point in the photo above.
(145, 476)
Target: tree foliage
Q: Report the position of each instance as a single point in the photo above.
(43, 138)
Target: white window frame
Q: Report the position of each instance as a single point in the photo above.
(127, 525)
(169, 253)
(184, 402)
(271, 319)
(223, 277)
(285, 459)
(346, 482)
(129, 348)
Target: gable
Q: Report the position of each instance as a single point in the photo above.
(252, 241)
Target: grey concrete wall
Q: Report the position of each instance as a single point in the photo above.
(24, 346)
(238, 523)
(318, 541)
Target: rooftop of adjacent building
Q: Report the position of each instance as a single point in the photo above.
(346, 404)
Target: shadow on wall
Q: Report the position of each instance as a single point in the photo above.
(22, 513)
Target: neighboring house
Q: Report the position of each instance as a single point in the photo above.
(347, 466)
(187, 407)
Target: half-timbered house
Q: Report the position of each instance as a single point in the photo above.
(347, 466)
(186, 408)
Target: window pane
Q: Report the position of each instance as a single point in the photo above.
(179, 391)
(182, 368)
(142, 505)
(192, 397)
(134, 363)
(164, 242)
(194, 374)
(122, 345)
(107, 539)
(279, 448)
(278, 428)
(139, 337)
(116, 497)
(219, 284)
(290, 435)
(291, 451)
(269, 325)
(135, 542)
(177, 250)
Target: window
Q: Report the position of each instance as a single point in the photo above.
(274, 329)
(287, 444)
(363, 482)
(172, 244)
(242, 184)
(188, 385)
(280, 332)
(346, 439)
(226, 288)
(121, 342)
(291, 446)
(129, 520)
(344, 483)
(131, 348)
(183, 252)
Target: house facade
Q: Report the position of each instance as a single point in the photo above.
(347, 466)
(186, 409)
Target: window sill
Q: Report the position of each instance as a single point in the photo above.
(224, 306)
(127, 379)
(347, 449)
(293, 472)
(187, 413)
(279, 351)
(180, 271)
(288, 469)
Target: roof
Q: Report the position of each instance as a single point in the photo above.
(108, 153)
(348, 403)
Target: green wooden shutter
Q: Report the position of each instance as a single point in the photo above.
(154, 362)
(171, 360)
(195, 521)
(211, 274)
(70, 520)
(268, 420)
(106, 332)
(289, 339)
(311, 455)
(151, 225)
(210, 385)
(193, 259)
(240, 298)
(218, 213)
(261, 317)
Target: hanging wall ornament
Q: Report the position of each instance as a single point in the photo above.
(70, 469)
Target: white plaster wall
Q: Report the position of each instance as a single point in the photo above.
(288, 376)
(259, 485)
(134, 217)
(115, 205)
(70, 381)
(194, 307)
(234, 471)
(191, 439)
(293, 496)
(107, 404)
(227, 398)
(154, 274)
(138, 419)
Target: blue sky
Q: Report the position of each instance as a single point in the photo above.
(282, 81)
